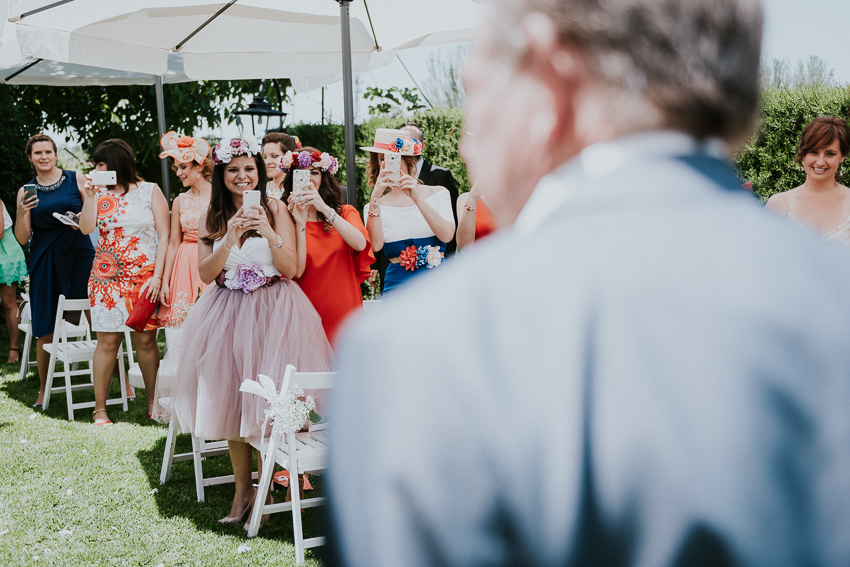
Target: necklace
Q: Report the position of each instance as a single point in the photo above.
(49, 188)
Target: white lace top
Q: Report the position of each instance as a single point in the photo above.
(840, 233)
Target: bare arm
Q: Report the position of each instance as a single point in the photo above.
(88, 216)
(778, 203)
(211, 263)
(174, 239)
(159, 206)
(443, 229)
(285, 257)
(23, 218)
(299, 216)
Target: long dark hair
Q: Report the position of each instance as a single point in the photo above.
(329, 191)
(118, 157)
(221, 202)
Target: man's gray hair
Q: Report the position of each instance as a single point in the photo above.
(694, 62)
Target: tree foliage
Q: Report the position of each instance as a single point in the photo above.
(95, 114)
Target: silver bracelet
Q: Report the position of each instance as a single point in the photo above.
(278, 245)
(332, 217)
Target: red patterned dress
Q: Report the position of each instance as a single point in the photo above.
(125, 256)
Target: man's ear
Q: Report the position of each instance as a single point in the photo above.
(559, 67)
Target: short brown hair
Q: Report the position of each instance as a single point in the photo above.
(40, 138)
(821, 133)
(118, 157)
(287, 144)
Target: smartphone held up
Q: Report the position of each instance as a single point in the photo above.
(250, 199)
(392, 164)
(103, 178)
(30, 190)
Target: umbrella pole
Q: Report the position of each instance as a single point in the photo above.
(160, 116)
(348, 97)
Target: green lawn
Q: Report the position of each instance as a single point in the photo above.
(72, 493)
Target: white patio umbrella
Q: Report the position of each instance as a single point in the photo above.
(238, 39)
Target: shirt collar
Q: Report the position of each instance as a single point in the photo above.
(605, 158)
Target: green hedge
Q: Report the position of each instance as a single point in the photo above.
(768, 159)
(442, 128)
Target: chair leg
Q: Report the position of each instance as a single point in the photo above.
(168, 455)
(25, 353)
(66, 372)
(51, 370)
(263, 488)
(122, 377)
(199, 468)
(295, 492)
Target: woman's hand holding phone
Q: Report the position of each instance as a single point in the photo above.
(384, 184)
(409, 186)
(298, 211)
(28, 200)
(256, 219)
(90, 188)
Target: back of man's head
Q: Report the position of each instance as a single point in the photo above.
(694, 62)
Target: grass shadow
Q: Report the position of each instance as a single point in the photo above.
(177, 497)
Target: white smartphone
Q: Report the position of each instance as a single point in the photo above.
(103, 178)
(301, 181)
(392, 164)
(68, 218)
(251, 199)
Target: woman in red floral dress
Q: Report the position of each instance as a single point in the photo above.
(128, 264)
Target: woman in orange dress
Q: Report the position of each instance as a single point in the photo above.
(182, 285)
(334, 253)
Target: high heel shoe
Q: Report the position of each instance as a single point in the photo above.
(241, 516)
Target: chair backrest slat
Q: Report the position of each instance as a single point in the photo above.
(313, 380)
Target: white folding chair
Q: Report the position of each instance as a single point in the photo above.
(72, 353)
(73, 331)
(298, 453)
(201, 449)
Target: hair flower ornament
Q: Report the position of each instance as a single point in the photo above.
(231, 148)
(305, 160)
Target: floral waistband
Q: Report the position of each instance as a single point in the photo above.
(247, 277)
(414, 257)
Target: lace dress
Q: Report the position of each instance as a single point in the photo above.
(839, 234)
(125, 256)
(185, 284)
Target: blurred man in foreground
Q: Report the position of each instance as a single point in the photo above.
(610, 391)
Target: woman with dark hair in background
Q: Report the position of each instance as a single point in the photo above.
(334, 254)
(413, 221)
(253, 320)
(181, 283)
(128, 265)
(820, 204)
(275, 146)
(60, 256)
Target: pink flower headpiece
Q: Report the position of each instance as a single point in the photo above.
(305, 160)
(184, 149)
(229, 149)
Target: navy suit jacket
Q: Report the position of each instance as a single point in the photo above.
(658, 376)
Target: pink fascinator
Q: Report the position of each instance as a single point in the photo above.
(184, 148)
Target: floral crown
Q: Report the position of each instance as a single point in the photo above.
(230, 148)
(297, 141)
(304, 160)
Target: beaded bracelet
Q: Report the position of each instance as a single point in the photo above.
(226, 247)
(332, 217)
(470, 209)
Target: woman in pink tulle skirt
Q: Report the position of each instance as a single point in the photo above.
(234, 331)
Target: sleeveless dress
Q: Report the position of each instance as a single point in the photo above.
(839, 234)
(407, 238)
(13, 265)
(230, 336)
(334, 271)
(60, 256)
(125, 257)
(185, 284)
(273, 193)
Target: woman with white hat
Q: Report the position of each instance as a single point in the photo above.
(411, 221)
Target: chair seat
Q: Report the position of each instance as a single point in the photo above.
(75, 352)
(135, 376)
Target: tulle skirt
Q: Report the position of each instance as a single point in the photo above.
(228, 337)
(184, 286)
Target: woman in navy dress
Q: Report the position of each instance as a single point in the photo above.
(60, 255)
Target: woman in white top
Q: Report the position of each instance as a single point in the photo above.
(254, 320)
(411, 221)
(821, 204)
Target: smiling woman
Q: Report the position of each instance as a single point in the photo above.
(821, 203)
